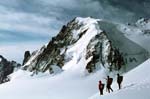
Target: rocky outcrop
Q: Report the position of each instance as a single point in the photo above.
(54, 52)
(6, 68)
(26, 57)
(104, 53)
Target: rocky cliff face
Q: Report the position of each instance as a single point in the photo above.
(113, 50)
(54, 52)
(6, 68)
(89, 44)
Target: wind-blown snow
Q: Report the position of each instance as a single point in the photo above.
(136, 85)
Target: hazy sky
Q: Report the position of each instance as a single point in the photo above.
(28, 24)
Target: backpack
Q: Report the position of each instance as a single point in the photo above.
(110, 80)
(101, 86)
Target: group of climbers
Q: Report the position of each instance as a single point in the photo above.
(109, 83)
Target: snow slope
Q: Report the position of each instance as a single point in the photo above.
(138, 32)
(72, 85)
(136, 85)
(67, 85)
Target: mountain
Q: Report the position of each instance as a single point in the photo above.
(87, 43)
(85, 51)
(6, 68)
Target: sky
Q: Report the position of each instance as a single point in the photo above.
(28, 24)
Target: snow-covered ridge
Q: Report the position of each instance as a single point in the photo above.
(84, 24)
(86, 21)
(87, 44)
(79, 49)
(138, 32)
(69, 45)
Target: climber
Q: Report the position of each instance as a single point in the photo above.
(109, 82)
(101, 87)
(119, 80)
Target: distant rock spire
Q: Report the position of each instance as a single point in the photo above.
(26, 57)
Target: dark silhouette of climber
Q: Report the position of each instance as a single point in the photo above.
(109, 83)
(119, 80)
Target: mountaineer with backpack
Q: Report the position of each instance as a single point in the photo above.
(119, 80)
(101, 87)
(109, 82)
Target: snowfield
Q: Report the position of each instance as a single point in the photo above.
(136, 85)
(72, 85)
(69, 84)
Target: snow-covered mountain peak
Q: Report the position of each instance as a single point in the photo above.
(87, 20)
(87, 44)
(89, 28)
(80, 25)
(69, 45)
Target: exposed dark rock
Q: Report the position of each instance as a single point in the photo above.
(6, 68)
(52, 54)
(27, 56)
